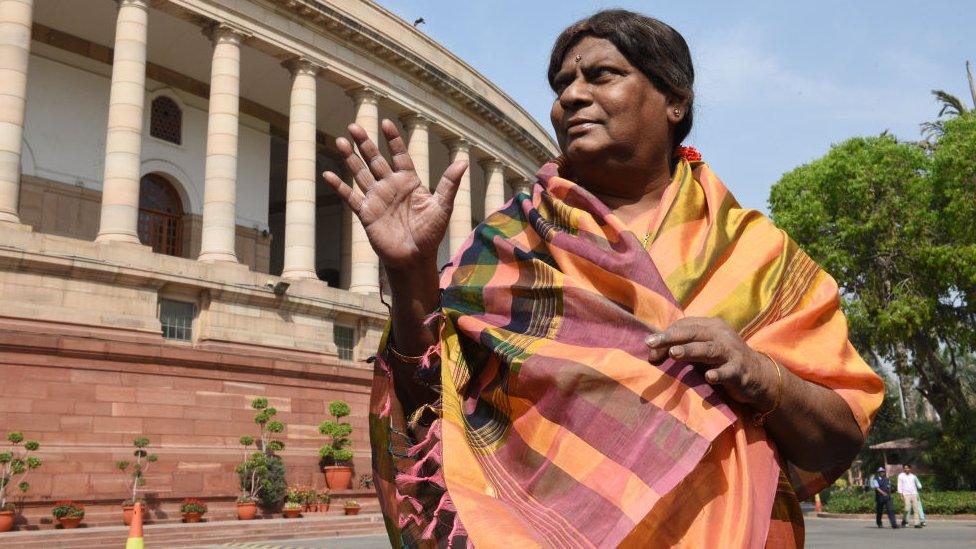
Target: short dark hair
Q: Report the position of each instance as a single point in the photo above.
(656, 49)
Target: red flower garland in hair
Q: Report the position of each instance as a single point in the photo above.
(690, 154)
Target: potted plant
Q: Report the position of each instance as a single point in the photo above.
(294, 501)
(310, 499)
(336, 456)
(15, 463)
(136, 471)
(261, 472)
(351, 507)
(291, 509)
(192, 509)
(325, 498)
(68, 513)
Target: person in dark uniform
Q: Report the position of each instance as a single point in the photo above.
(882, 498)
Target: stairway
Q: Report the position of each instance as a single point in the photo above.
(314, 525)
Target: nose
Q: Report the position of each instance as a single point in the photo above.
(576, 94)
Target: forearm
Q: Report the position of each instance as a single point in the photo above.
(414, 294)
(813, 426)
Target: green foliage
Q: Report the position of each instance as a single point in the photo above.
(339, 409)
(15, 464)
(193, 505)
(336, 452)
(895, 224)
(935, 503)
(262, 473)
(68, 509)
(952, 452)
(136, 470)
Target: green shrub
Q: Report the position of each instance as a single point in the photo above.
(336, 452)
(934, 503)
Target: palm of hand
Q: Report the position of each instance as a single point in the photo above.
(404, 222)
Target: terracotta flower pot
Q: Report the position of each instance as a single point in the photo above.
(192, 517)
(69, 522)
(291, 513)
(127, 511)
(351, 510)
(6, 521)
(247, 511)
(338, 477)
(323, 507)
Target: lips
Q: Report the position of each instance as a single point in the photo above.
(576, 126)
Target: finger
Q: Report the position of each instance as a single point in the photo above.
(680, 331)
(730, 374)
(370, 152)
(398, 148)
(352, 197)
(360, 172)
(447, 187)
(702, 352)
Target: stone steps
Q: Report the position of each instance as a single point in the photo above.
(204, 533)
(38, 516)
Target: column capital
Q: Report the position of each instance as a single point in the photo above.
(302, 65)
(224, 32)
(365, 94)
(144, 4)
(458, 144)
(491, 163)
(416, 120)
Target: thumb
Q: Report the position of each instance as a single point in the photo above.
(447, 187)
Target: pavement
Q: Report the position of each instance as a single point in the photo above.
(822, 533)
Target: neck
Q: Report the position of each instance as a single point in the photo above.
(627, 193)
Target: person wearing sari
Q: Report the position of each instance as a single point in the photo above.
(623, 357)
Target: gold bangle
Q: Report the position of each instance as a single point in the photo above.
(406, 359)
(760, 418)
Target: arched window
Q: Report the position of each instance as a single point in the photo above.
(166, 120)
(160, 215)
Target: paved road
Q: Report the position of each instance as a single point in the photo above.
(864, 534)
(821, 534)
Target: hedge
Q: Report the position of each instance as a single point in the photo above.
(934, 503)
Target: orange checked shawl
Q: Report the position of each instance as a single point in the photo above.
(553, 429)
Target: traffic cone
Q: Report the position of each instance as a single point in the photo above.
(135, 529)
(816, 504)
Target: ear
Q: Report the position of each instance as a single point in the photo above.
(676, 110)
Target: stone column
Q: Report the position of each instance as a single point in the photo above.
(460, 224)
(15, 32)
(123, 142)
(523, 185)
(418, 145)
(495, 188)
(364, 265)
(220, 170)
(300, 190)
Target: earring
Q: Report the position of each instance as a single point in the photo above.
(677, 112)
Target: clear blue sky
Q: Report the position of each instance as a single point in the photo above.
(776, 82)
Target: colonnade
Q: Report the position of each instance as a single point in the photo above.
(120, 194)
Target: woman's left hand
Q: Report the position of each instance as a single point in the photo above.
(748, 377)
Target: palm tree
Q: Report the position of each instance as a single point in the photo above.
(952, 106)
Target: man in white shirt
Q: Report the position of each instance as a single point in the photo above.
(908, 486)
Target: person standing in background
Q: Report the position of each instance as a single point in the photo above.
(882, 497)
(908, 486)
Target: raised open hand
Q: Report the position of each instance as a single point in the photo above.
(404, 221)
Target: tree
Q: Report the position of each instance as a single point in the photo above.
(895, 224)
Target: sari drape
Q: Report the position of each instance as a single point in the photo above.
(553, 429)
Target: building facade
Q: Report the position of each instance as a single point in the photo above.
(167, 248)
